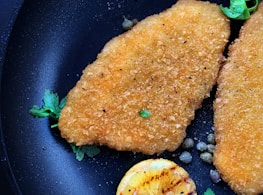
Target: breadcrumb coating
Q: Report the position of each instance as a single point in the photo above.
(239, 111)
(166, 64)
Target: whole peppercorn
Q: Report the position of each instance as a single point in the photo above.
(211, 138)
(214, 175)
(185, 157)
(201, 146)
(128, 24)
(188, 143)
(207, 157)
(210, 148)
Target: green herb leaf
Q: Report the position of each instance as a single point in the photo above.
(239, 10)
(51, 109)
(209, 191)
(51, 104)
(38, 112)
(62, 103)
(80, 151)
(144, 113)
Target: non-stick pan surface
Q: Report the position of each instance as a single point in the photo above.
(51, 43)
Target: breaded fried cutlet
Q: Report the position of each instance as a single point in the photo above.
(165, 65)
(238, 110)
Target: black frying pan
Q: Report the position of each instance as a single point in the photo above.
(51, 43)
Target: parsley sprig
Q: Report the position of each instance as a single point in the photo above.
(239, 9)
(80, 151)
(51, 108)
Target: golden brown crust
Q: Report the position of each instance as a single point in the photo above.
(239, 111)
(166, 64)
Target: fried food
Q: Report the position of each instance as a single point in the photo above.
(239, 111)
(165, 65)
(156, 176)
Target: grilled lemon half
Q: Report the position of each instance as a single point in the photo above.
(156, 176)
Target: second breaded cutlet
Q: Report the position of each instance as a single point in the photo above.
(239, 111)
(166, 65)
